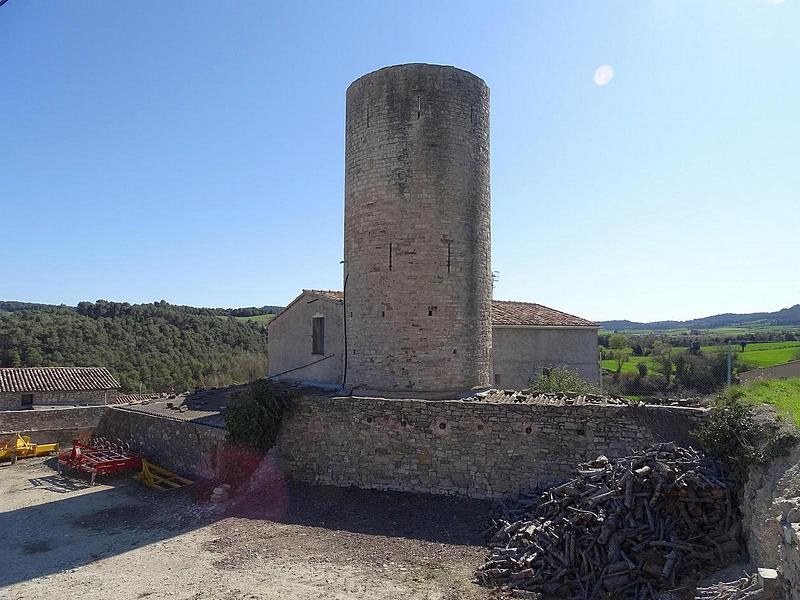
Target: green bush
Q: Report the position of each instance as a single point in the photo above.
(560, 380)
(254, 415)
(733, 436)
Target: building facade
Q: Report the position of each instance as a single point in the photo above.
(306, 340)
(526, 339)
(416, 316)
(25, 388)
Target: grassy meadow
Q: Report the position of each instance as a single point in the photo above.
(260, 319)
(755, 355)
(784, 394)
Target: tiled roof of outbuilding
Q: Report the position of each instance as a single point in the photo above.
(329, 294)
(504, 313)
(56, 379)
(528, 314)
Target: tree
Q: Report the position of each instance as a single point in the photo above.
(13, 358)
(558, 380)
(642, 368)
(662, 355)
(620, 352)
(743, 344)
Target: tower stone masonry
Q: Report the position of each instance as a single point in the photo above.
(418, 285)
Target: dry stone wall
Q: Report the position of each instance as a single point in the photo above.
(60, 425)
(13, 400)
(476, 449)
(186, 447)
(771, 518)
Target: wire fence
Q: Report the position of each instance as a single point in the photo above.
(662, 365)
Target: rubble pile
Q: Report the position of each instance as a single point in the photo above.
(495, 396)
(751, 587)
(623, 528)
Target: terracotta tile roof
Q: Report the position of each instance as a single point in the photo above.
(533, 315)
(54, 379)
(522, 314)
(329, 294)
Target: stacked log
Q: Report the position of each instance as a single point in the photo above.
(624, 528)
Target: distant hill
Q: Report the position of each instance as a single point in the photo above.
(152, 347)
(785, 316)
(249, 311)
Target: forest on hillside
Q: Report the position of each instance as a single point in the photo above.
(154, 347)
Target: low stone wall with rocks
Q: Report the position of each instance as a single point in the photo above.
(771, 518)
(60, 425)
(482, 450)
(183, 446)
(13, 400)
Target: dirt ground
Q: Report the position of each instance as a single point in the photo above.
(63, 539)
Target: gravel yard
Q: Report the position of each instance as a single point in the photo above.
(64, 539)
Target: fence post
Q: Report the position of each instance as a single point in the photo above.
(729, 362)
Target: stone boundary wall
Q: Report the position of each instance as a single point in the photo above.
(771, 518)
(13, 400)
(60, 425)
(480, 450)
(186, 447)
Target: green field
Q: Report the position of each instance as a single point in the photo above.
(262, 319)
(732, 331)
(762, 354)
(784, 394)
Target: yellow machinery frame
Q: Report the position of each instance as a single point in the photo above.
(159, 478)
(22, 447)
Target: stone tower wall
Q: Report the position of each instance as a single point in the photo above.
(417, 231)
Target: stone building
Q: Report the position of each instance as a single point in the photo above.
(306, 342)
(27, 387)
(417, 272)
(416, 316)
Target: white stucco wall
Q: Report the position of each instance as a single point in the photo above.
(289, 342)
(520, 353)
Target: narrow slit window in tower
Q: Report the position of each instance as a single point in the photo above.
(449, 254)
(390, 256)
(419, 106)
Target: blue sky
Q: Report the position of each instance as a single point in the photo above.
(193, 151)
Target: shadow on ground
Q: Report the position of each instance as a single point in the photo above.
(438, 519)
(53, 524)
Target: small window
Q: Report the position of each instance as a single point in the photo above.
(497, 379)
(318, 335)
(27, 401)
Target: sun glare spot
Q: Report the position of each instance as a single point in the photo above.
(603, 75)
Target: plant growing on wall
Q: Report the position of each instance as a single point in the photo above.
(560, 380)
(254, 415)
(735, 437)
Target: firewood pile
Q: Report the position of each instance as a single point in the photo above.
(623, 528)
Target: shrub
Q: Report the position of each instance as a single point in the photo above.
(733, 436)
(560, 380)
(254, 415)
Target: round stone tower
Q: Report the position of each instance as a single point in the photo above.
(418, 283)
